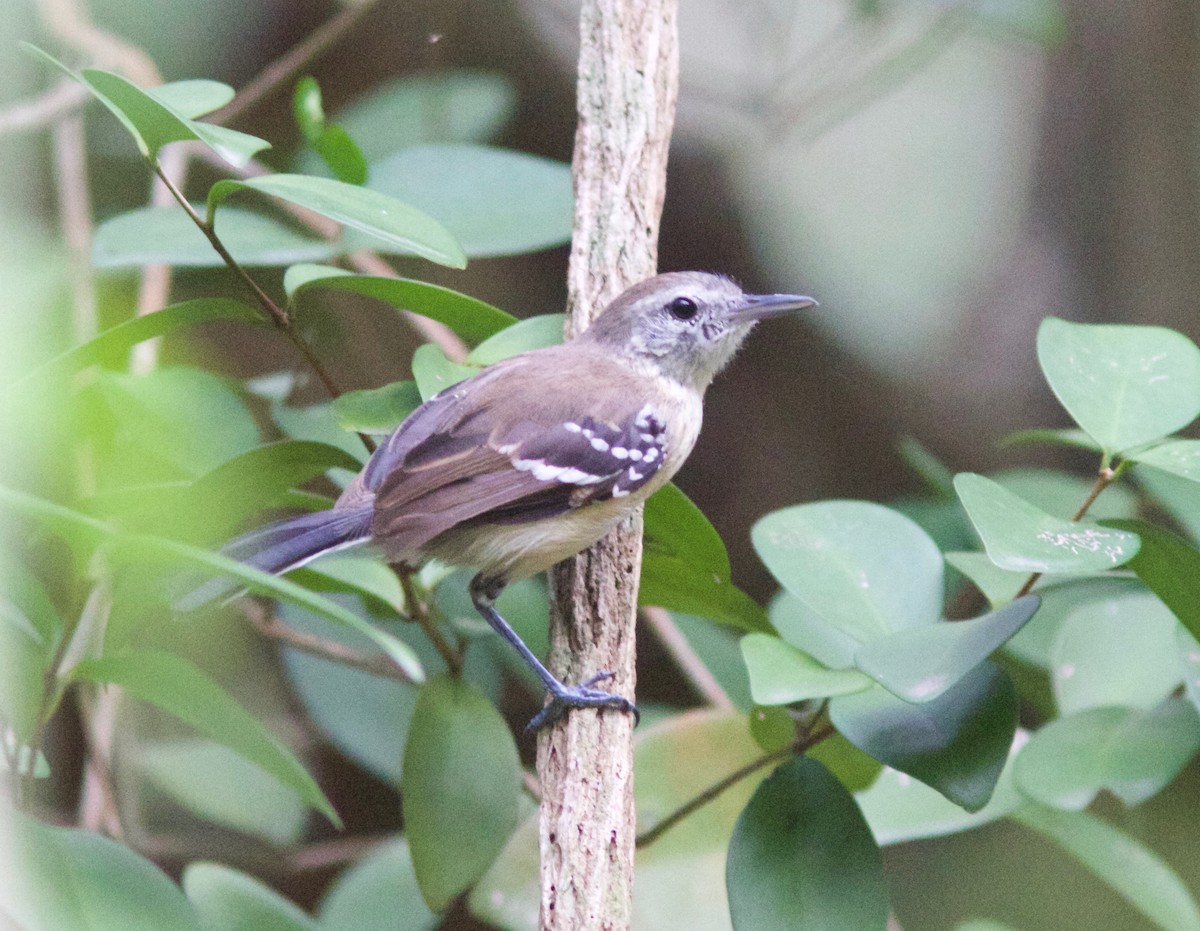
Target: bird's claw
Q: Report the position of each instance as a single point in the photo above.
(565, 697)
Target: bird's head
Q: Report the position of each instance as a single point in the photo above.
(687, 325)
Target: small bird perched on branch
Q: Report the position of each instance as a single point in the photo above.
(539, 455)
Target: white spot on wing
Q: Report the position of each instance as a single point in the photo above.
(599, 445)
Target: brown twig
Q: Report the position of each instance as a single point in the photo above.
(686, 659)
(267, 624)
(418, 612)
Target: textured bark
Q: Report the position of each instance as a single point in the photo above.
(628, 82)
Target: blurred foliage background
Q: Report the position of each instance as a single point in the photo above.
(940, 176)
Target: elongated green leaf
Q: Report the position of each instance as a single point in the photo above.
(383, 218)
(919, 664)
(148, 548)
(364, 575)
(1170, 567)
(461, 787)
(685, 567)
(956, 743)
(1021, 538)
(378, 893)
(31, 631)
(60, 878)
(802, 857)
(377, 411)
(434, 373)
(216, 784)
(116, 340)
(780, 674)
(472, 319)
(1132, 870)
(496, 202)
(1118, 650)
(229, 900)
(179, 688)
(167, 236)
(1078, 439)
(866, 570)
(193, 98)
(1125, 385)
(523, 336)
(1130, 752)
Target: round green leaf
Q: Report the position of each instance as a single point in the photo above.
(524, 335)
(999, 586)
(434, 372)
(1118, 651)
(461, 785)
(378, 893)
(1021, 538)
(865, 569)
(384, 219)
(1130, 752)
(1132, 870)
(496, 202)
(229, 900)
(193, 98)
(1125, 385)
(919, 664)
(802, 857)
(1179, 457)
(377, 411)
(780, 674)
(956, 743)
(60, 878)
(806, 630)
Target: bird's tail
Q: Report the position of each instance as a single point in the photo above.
(284, 545)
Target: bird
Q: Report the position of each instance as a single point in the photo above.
(539, 455)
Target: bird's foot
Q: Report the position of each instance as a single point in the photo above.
(565, 697)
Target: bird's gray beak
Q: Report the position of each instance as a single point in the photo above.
(761, 306)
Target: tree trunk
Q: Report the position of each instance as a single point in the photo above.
(628, 82)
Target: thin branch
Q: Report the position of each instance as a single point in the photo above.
(65, 98)
(686, 659)
(418, 611)
(69, 22)
(295, 60)
(75, 217)
(703, 798)
(1104, 478)
(270, 626)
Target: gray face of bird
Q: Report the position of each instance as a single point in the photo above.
(687, 325)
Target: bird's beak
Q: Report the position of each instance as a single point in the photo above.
(761, 306)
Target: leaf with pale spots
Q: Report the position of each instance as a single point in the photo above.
(1023, 538)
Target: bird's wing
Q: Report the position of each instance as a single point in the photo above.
(510, 458)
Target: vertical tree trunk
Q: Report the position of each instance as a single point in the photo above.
(628, 82)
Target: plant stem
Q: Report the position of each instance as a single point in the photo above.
(1104, 478)
(686, 660)
(418, 611)
(703, 798)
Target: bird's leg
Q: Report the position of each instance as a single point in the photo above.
(484, 592)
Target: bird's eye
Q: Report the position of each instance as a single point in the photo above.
(683, 308)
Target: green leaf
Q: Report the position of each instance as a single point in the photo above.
(1170, 567)
(1179, 457)
(780, 674)
(193, 98)
(179, 688)
(377, 411)
(216, 784)
(31, 631)
(1132, 753)
(318, 423)
(1034, 643)
(496, 202)
(685, 567)
(920, 664)
(1021, 538)
(307, 109)
(802, 857)
(523, 336)
(378, 893)
(937, 477)
(1077, 439)
(806, 630)
(471, 319)
(121, 338)
(342, 154)
(385, 219)
(229, 900)
(461, 787)
(60, 878)
(1133, 871)
(1060, 493)
(1121, 650)
(956, 743)
(899, 808)
(865, 569)
(999, 586)
(1125, 385)
(434, 373)
(167, 236)
(1178, 497)
(364, 575)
